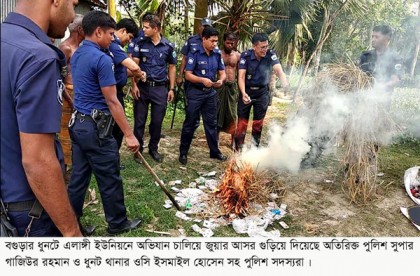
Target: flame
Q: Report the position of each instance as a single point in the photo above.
(233, 190)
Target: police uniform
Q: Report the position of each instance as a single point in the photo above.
(192, 44)
(257, 78)
(153, 61)
(120, 72)
(381, 67)
(202, 99)
(132, 46)
(92, 68)
(31, 100)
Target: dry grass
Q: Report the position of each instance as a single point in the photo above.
(242, 185)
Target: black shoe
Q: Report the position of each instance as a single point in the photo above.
(128, 226)
(219, 156)
(137, 159)
(183, 159)
(156, 156)
(88, 230)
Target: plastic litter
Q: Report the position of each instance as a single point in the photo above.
(211, 174)
(182, 216)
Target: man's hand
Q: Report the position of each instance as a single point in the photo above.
(218, 84)
(207, 83)
(143, 77)
(179, 80)
(135, 92)
(171, 96)
(245, 98)
(132, 143)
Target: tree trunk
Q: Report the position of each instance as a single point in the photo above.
(112, 9)
(327, 32)
(416, 51)
(321, 36)
(201, 9)
(186, 17)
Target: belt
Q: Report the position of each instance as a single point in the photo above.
(156, 83)
(205, 89)
(255, 87)
(84, 117)
(19, 206)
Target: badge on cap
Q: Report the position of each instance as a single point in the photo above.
(190, 61)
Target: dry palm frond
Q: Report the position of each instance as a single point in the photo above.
(345, 77)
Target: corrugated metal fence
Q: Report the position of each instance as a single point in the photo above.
(6, 7)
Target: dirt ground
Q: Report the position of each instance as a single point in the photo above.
(316, 207)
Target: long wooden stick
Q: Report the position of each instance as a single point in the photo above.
(158, 181)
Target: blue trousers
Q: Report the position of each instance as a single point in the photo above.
(42, 227)
(206, 104)
(100, 156)
(157, 98)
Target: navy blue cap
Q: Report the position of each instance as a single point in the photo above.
(206, 22)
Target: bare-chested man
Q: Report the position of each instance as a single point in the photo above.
(227, 95)
(69, 46)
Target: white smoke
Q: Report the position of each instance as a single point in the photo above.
(319, 120)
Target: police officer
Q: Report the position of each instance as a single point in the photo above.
(203, 64)
(126, 29)
(132, 45)
(381, 62)
(255, 67)
(131, 48)
(154, 53)
(31, 99)
(192, 42)
(95, 100)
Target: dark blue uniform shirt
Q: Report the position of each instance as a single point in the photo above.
(92, 68)
(132, 45)
(258, 72)
(381, 67)
(31, 97)
(203, 65)
(119, 55)
(193, 42)
(153, 58)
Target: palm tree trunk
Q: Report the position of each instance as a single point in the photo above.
(201, 9)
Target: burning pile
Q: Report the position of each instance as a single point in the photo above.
(242, 185)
